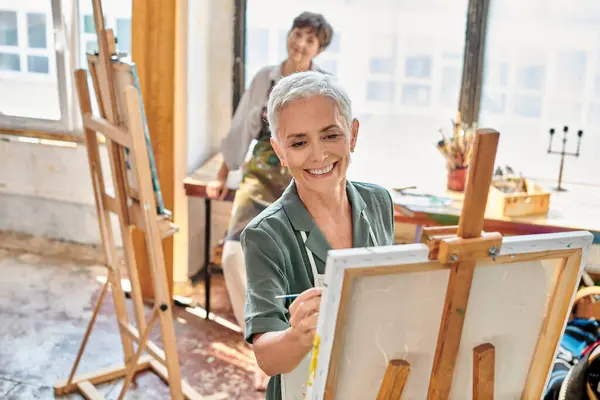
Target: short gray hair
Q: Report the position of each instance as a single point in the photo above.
(303, 85)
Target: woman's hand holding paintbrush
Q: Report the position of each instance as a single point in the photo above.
(304, 315)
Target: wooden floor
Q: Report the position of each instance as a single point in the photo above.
(47, 293)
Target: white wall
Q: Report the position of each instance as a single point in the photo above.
(210, 63)
(46, 190)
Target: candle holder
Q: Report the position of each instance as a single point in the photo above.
(563, 153)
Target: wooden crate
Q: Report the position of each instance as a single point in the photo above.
(535, 201)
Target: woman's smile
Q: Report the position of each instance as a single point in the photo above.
(324, 172)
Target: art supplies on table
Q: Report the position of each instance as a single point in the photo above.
(513, 195)
(413, 199)
(457, 147)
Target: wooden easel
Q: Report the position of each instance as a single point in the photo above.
(460, 247)
(121, 122)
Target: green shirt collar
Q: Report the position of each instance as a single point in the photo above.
(301, 220)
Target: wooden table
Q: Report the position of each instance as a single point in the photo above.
(576, 209)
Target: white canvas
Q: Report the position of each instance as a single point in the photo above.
(397, 316)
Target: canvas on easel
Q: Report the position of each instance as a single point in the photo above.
(467, 315)
(137, 202)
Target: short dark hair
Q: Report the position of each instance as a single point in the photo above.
(318, 24)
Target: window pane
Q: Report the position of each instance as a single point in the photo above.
(544, 75)
(416, 95)
(8, 28)
(328, 65)
(530, 76)
(397, 69)
(38, 64)
(334, 46)
(449, 93)
(493, 102)
(571, 67)
(124, 35)
(36, 30)
(91, 46)
(380, 91)
(257, 51)
(381, 65)
(36, 98)
(496, 74)
(117, 16)
(283, 36)
(10, 62)
(418, 67)
(88, 24)
(528, 106)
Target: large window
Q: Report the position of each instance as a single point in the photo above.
(31, 67)
(544, 74)
(117, 16)
(401, 62)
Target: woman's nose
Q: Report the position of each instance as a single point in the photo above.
(319, 153)
(301, 44)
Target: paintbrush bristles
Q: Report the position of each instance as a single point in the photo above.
(458, 148)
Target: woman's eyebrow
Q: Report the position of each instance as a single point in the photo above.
(328, 127)
(303, 134)
(296, 135)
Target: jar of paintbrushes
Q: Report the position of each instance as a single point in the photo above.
(456, 149)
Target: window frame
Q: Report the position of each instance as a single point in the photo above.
(55, 28)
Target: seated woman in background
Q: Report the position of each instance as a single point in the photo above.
(286, 246)
(264, 178)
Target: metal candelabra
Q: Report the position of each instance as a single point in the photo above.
(563, 153)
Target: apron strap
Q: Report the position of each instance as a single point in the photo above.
(373, 239)
(311, 258)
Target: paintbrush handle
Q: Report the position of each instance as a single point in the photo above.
(287, 296)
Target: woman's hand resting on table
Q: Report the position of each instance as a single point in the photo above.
(217, 190)
(304, 315)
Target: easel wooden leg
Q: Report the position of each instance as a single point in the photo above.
(88, 331)
(483, 372)
(153, 241)
(141, 345)
(116, 160)
(103, 214)
(394, 380)
(461, 272)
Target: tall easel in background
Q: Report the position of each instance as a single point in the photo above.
(137, 203)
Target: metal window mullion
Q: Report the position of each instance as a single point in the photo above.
(61, 68)
(473, 59)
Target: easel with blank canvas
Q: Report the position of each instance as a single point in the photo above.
(467, 314)
(137, 203)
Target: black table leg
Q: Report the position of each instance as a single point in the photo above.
(207, 271)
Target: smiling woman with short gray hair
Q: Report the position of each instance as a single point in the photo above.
(285, 247)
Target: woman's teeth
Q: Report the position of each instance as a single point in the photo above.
(322, 170)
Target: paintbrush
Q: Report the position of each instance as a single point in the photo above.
(287, 296)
